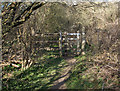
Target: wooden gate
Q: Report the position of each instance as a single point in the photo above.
(61, 44)
(69, 43)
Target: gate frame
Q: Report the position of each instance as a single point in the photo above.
(61, 39)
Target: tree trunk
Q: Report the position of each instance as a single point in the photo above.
(0, 50)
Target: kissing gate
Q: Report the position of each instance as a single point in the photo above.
(69, 43)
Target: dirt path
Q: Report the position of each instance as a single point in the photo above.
(60, 83)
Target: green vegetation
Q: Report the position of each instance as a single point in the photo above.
(89, 74)
(39, 76)
(79, 80)
(31, 39)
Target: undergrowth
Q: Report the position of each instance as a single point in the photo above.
(79, 80)
(94, 72)
(40, 76)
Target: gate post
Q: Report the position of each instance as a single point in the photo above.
(78, 43)
(60, 43)
(83, 41)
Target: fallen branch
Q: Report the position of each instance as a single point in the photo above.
(14, 61)
(1, 65)
(14, 65)
(111, 67)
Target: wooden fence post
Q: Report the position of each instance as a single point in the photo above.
(78, 43)
(83, 41)
(60, 43)
(67, 40)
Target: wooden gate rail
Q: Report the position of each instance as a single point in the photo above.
(64, 42)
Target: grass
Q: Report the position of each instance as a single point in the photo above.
(42, 74)
(39, 76)
(79, 79)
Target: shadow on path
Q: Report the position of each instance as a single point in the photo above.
(60, 82)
